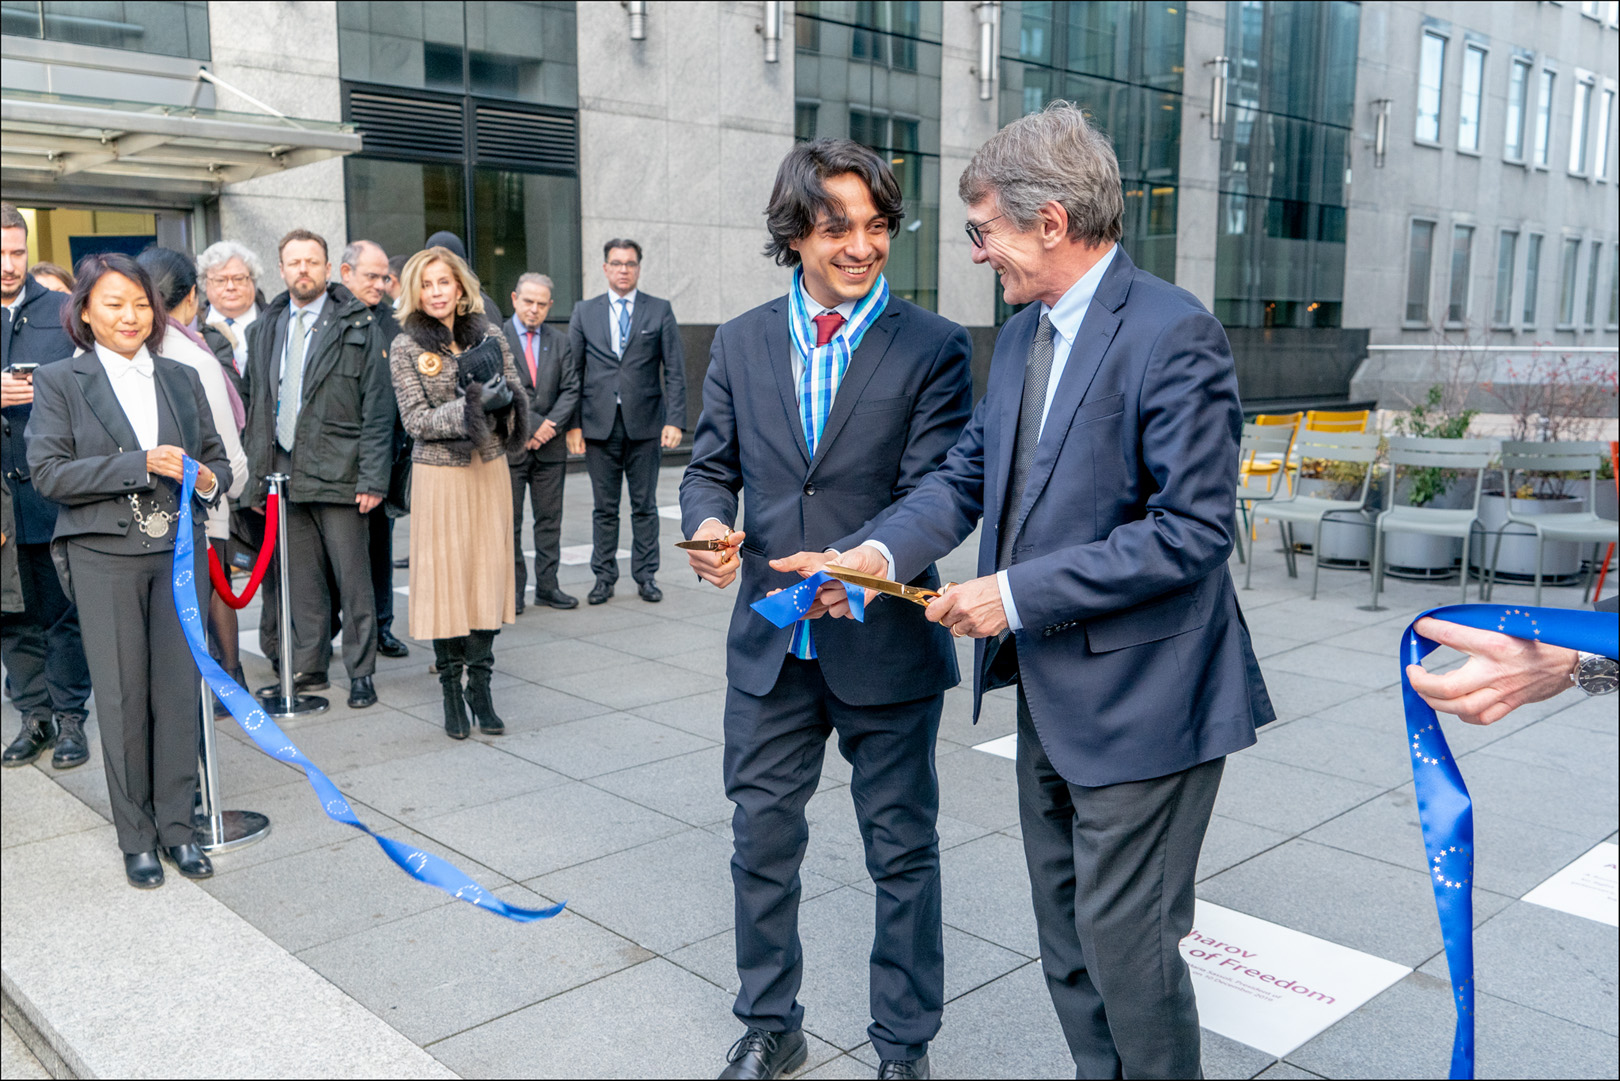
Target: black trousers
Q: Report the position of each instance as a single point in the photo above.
(773, 754)
(330, 543)
(543, 481)
(380, 540)
(147, 701)
(613, 462)
(41, 646)
(1111, 871)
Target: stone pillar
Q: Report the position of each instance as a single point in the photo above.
(286, 55)
(967, 293)
(680, 136)
(1198, 197)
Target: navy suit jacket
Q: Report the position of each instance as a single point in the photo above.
(900, 406)
(35, 335)
(649, 381)
(1133, 656)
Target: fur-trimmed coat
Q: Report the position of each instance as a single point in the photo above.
(445, 425)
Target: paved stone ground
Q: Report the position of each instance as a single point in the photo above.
(607, 793)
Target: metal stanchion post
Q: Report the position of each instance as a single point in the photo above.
(286, 703)
(219, 830)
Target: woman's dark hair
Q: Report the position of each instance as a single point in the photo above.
(174, 274)
(800, 195)
(91, 269)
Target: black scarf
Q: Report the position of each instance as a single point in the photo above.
(434, 337)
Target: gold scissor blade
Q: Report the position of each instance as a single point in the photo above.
(914, 594)
(703, 545)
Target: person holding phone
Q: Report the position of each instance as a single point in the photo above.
(108, 439)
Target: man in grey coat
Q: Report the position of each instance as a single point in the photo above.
(551, 380)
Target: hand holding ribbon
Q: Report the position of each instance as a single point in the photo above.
(420, 865)
(1445, 809)
(790, 605)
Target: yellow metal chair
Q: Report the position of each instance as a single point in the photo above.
(1260, 463)
(1324, 420)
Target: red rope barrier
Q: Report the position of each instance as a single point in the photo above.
(222, 581)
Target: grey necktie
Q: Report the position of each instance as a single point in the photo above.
(292, 384)
(1037, 373)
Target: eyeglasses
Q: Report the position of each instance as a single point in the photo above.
(975, 232)
(617, 265)
(237, 280)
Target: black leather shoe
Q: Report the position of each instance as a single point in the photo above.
(518, 609)
(361, 693)
(189, 860)
(556, 598)
(650, 592)
(37, 734)
(599, 593)
(389, 646)
(765, 1054)
(904, 1069)
(402, 562)
(143, 870)
(72, 749)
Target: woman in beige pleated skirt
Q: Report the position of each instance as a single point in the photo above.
(459, 399)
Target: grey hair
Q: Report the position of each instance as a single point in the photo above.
(355, 249)
(1056, 156)
(218, 254)
(531, 278)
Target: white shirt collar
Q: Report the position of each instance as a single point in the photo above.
(118, 367)
(614, 297)
(312, 309)
(815, 307)
(1070, 309)
(218, 317)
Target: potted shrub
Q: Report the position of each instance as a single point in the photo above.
(1417, 555)
(1346, 538)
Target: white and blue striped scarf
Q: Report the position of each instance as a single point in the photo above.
(823, 370)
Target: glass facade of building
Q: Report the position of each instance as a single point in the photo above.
(1121, 61)
(1285, 163)
(161, 27)
(868, 70)
(469, 111)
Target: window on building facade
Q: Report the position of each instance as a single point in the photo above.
(1566, 281)
(1419, 262)
(469, 116)
(1580, 122)
(161, 27)
(1507, 250)
(1593, 265)
(1518, 89)
(1121, 62)
(1470, 111)
(1285, 159)
(1431, 74)
(1462, 274)
(869, 70)
(1532, 278)
(1544, 118)
(1600, 159)
(1614, 286)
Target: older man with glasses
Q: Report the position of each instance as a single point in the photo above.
(230, 276)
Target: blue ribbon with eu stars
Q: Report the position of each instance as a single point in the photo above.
(422, 866)
(790, 605)
(1444, 808)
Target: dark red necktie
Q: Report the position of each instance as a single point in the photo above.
(534, 367)
(827, 324)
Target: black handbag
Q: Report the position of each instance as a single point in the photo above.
(479, 364)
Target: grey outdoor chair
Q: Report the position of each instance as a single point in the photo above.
(1262, 443)
(1326, 447)
(1406, 452)
(1583, 528)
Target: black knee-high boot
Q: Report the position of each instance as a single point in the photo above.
(450, 654)
(480, 666)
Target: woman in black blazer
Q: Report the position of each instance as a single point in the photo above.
(106, 441)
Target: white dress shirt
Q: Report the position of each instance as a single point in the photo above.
(136, 391)
(614, 300)
(1067, 315)
(237, 327)
(312, 315)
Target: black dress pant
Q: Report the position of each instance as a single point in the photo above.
(381, 544)
(41, 645)
(1111, 871)
(543, 481)
(613, 462)
(147, 698)
(773, 755)
(330, 544)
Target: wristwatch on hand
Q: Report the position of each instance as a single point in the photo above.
(1595, 674)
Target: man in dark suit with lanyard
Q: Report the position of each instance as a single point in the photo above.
(551, 380)
(42, 645)
(627, 347)
(824, 406)
(1103, 463)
